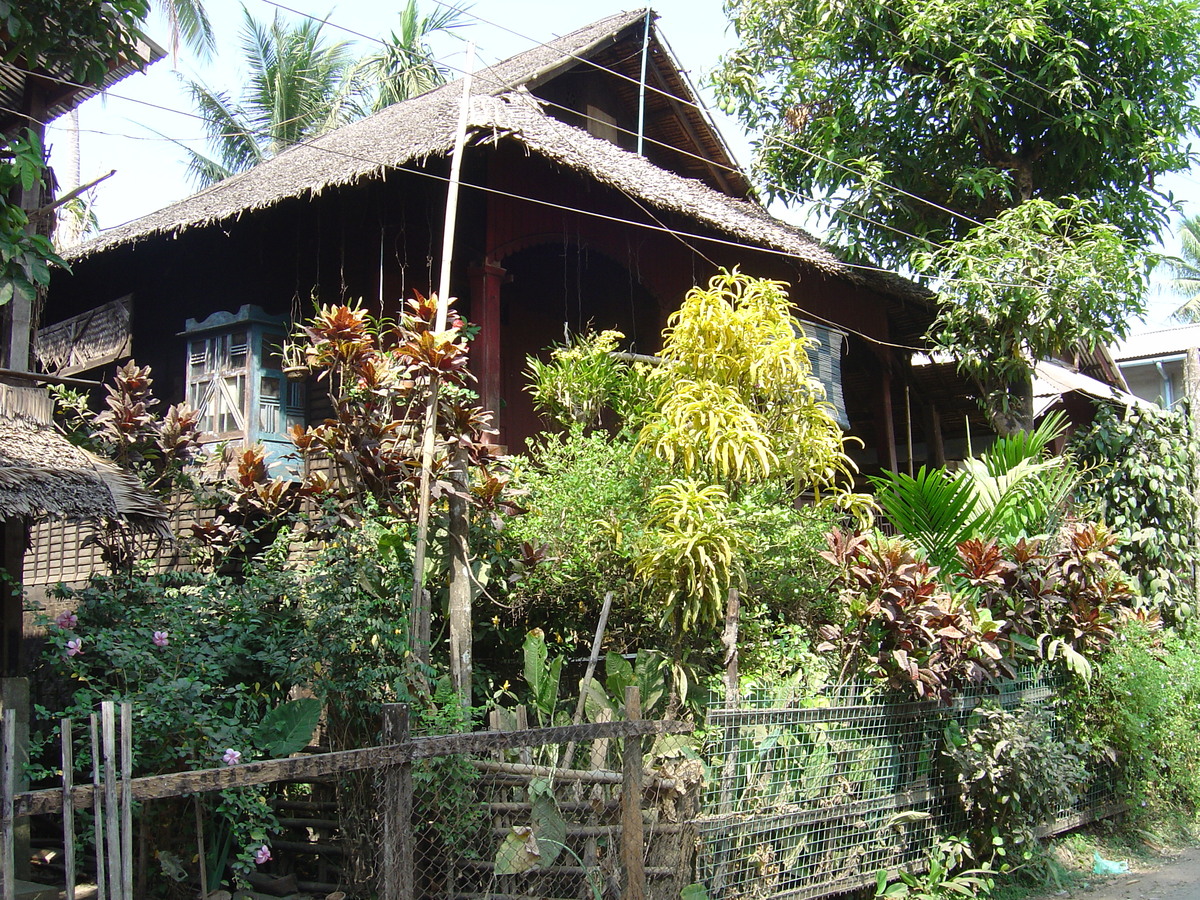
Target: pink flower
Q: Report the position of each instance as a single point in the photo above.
(74, 646)
(232, 757)
(160, 639)
(262, 855)
(66, 620)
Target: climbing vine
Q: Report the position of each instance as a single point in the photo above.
(1142, 483)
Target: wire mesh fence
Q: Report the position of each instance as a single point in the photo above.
(580, 819)
(810, 797)
(788, 798)
(594, 810)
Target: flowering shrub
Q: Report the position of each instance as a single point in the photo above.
(205, 661)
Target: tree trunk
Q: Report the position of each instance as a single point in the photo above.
(1011, 408)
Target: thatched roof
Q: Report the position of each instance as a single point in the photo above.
(411, 132)
(43, 474)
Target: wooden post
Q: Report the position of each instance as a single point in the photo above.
(729, 737)
(398, 880)
(68, 782)
(632, 839)
(8, 765)
(201, 854)
(98, 810)
(729, 637)
(126, 801)
(886, 432)
(112, 817)
(936, 443)
(486, 280)
(14, 695)
(460, 582)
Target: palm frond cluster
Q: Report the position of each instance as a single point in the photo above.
(299, 85)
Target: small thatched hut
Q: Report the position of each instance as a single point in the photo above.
(43, 475)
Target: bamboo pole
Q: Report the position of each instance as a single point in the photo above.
(419, 627)
(68, 779)
(318, 765)
(461, 667)
(568, 756)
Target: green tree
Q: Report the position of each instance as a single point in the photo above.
(1011, 148)
(404, 66)
(972, 105)
(83, 36)
(297, 86)
(1038, 281)
(1185, 271)
(81, 39)
(735, 405)
(189, 24)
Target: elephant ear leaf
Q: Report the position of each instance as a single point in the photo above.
(548, 822)
(288, 728)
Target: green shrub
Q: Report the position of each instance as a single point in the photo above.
(206, 664)
(1014, 774)
(1143, 710)
(585, 501)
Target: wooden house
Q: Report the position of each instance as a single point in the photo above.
(562, 223)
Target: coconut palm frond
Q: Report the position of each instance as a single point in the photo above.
(236, 144)
(1185, 271)
(404, 66)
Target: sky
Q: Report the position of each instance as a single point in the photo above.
(127, 129)
(130, 129)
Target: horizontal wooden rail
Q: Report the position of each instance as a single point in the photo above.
(177, 784)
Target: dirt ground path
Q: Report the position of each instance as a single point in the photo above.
(1176, 878)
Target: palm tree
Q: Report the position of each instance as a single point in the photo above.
(404, 65)
(300, 86)
(1185, 271)
(189, 25)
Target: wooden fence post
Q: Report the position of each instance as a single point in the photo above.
(98, 810)
(8, 863)
(112, 812)
(632, 840)
(398, 876)
(126, 800)
(68, 781)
